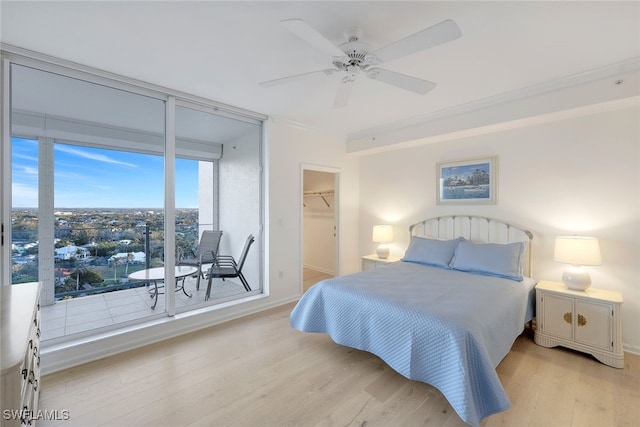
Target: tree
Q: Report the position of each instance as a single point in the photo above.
(79, 270)
(116, 261)
(81, 238)
(78, 276)
(105, 248)
(130, 258)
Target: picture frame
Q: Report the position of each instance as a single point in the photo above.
(469, 181)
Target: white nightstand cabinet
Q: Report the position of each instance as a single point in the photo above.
(372, 261)
(20, 354)
(588, 321)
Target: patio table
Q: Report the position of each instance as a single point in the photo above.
(153, 275)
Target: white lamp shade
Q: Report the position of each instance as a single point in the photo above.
(577, 250)
(382, 234)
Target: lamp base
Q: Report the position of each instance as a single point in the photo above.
(383, 251)
(575, 278)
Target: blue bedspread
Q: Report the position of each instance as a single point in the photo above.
(446, 328)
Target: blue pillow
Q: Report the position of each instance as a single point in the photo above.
(431, 251)
(491, 259)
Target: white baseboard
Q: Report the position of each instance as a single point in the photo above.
(628, 348)
(320, 269)
(66, 355)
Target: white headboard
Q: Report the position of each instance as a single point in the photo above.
(477, 229)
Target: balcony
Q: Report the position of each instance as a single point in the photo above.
(87, 313)
(89, 286)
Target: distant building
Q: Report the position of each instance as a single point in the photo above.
(68, 252)
(137, 257)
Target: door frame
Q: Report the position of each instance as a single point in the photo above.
(336, 210)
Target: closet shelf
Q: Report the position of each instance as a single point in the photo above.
(321, 194)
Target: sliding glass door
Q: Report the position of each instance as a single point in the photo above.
(112, 186)
(87, 198)
(218, 178)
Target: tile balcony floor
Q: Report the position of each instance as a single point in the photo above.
(96, 311)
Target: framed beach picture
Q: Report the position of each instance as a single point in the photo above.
(471, 181)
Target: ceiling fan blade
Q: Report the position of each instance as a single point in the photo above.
(309, 34)
(429, 37)
(412, 84)
(289, 79)
(344, 92)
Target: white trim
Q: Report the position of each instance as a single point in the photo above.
(437, 137)
(212, 109)
(633, 349)
(306, 127)
(611, 70)
(265, 200)
(5, 171)
(170, 206)
(320, 269)
(46, 220)
(73, 69)
(29, 124)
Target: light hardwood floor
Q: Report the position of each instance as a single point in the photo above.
(310, 277)
(258, 371)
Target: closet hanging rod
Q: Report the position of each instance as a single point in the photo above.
(318, 194)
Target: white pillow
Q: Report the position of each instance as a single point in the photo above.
(491, 259)
(435, 252)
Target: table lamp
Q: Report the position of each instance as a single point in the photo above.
(382, 234)
(577, 251)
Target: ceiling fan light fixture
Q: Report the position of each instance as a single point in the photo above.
(355, 49)
(352, 73)
(354, 56)
(372, 59)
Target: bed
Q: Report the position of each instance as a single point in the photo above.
(447, 314)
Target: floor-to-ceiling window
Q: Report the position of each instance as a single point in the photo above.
(96, 173)
(218, 183)
(24, 219)
(228, 151)
(97, 210)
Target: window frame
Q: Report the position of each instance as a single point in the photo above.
(13, 55)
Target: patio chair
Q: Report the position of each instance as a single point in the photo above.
(226, 267)
(206, 252)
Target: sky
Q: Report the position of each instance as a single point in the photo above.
(87, 177)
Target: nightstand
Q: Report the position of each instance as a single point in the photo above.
(372, 261)
(588, 321)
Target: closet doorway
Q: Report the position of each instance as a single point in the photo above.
(319, 224)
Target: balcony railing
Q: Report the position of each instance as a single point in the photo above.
(96, 260)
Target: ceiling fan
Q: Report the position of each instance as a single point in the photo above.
(355, 57)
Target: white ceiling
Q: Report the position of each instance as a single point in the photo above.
(222, 50)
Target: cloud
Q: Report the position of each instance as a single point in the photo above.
(92, 156)
(24, 196)
(29, 170)
(25, 157)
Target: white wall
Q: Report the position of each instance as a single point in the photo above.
(288, 148)
(240, 215)
(576, 176)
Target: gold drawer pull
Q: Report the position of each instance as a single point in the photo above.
(581, 320)
(568, 318)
